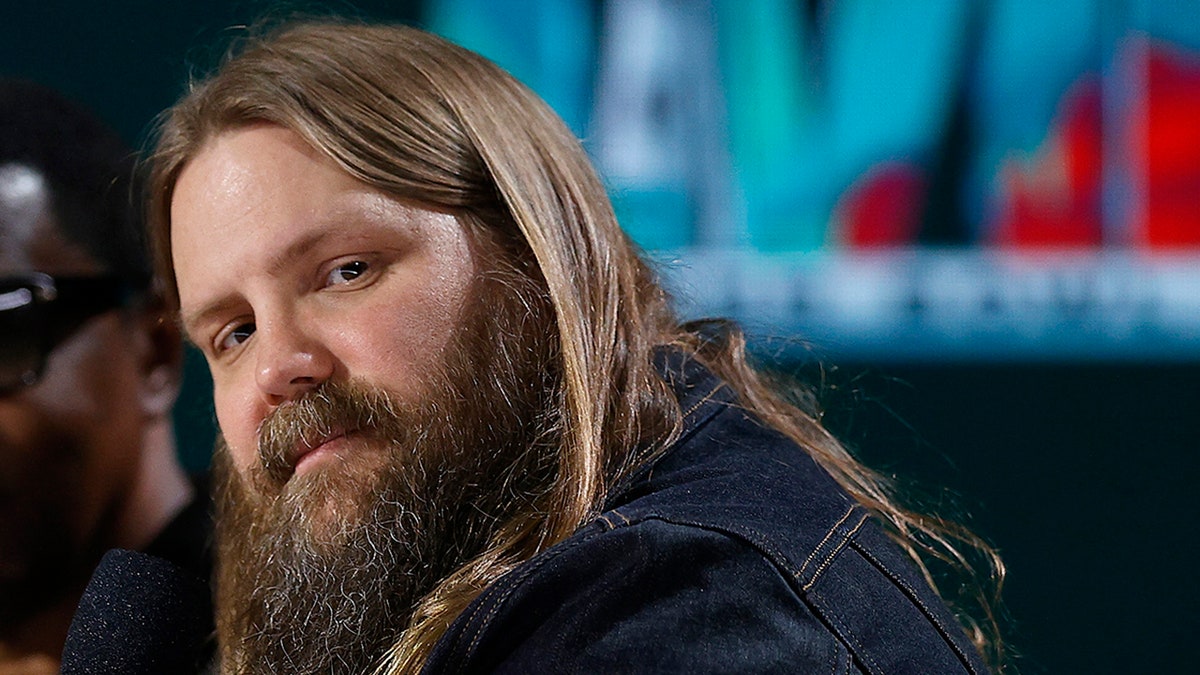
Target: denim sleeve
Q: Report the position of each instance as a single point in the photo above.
(644, 598)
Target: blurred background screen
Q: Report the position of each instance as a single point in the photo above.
(974, 226)
(892, 180)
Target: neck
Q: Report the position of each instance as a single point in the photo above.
(160, 491)
(38, 640)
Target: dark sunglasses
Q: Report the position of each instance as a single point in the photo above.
(38, 312)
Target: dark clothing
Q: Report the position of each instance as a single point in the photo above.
(186, 540)
(733, 552)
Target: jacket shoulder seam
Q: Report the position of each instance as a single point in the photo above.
(916, 599)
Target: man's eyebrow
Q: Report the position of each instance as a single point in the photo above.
(298, 248)
(190, 321)
(274, 266)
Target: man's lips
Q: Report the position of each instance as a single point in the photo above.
(308, 451)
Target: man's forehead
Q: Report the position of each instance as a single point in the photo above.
(255, 200)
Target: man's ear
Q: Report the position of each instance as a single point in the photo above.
(161, 364)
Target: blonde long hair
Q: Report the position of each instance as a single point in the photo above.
(422, 119)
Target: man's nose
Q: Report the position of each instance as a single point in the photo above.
(290, 362)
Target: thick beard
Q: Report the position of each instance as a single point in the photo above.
(321, 573)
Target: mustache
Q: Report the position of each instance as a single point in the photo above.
(329, 410)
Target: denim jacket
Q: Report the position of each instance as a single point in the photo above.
(733, 552)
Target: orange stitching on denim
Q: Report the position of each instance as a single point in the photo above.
(704, 399)
(622, 516)
(853, 645)
(844, 663)
(915, 598)
(821, 545)
(833, 554)
(837, 662)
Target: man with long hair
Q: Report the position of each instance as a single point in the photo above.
(463, 431)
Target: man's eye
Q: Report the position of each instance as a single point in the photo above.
(237, 336)
(347, 272)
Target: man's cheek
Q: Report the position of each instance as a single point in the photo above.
(240, 436)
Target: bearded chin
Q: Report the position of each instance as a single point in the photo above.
(306, 587)
(321, 572)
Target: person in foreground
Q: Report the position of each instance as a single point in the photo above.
(462, 431)
(89, 371)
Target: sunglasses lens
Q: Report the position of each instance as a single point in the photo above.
(20, 331)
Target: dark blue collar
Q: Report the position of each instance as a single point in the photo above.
(701, 395)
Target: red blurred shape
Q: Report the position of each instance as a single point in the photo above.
(1169, 131)
(1052, 198)
(883, 208)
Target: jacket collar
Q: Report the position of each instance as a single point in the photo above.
(701, 395)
